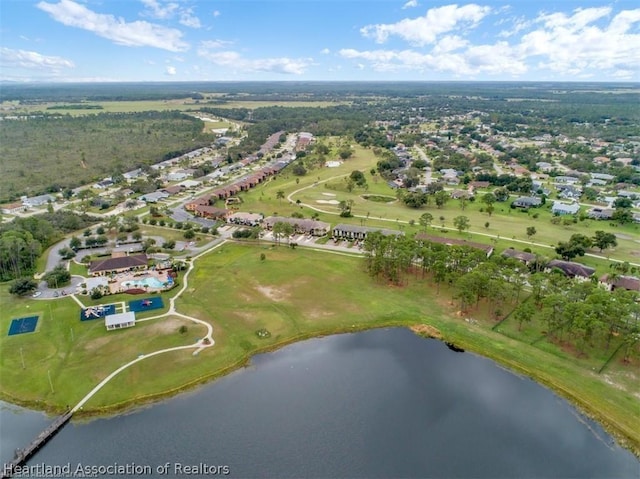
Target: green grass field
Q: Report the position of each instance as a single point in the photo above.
(186, 104)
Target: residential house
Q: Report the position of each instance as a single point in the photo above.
(13, 208)
(173, 190)
(487, 249)
(37, 200)
(201, 201)
(527, 202)
(479, 184)
(596, 182)
(176, 176)
(571, 180)
(450, 176)
(571, 269)
(300, 225)
(104, 184)
(154, 197)
(188, 184)
(459, 194)
(353, 232)
(630, 283)
(304, 140)
(560, 208)
(133, 174)
(544, 166)
(245, 219)
(598, 213)
(523, 256)
(210, 212)
(569, 192)
(602, 176)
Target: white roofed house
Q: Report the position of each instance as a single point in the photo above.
(37, 200)
(154, 197)
(177, 176)
(560, 208)
(133, 174)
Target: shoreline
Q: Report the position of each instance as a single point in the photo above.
(623, 436)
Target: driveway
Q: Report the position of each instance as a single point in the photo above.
(50, 293)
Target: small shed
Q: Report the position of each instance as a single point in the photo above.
(120, 320)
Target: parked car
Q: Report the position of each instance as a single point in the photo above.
(36, 294)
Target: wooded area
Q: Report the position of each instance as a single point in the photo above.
(51, 152)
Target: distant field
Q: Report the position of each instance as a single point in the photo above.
(187, 104)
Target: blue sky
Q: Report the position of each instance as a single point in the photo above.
(298, 40)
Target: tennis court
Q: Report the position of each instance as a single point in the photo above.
(146, 304)
(23, 325)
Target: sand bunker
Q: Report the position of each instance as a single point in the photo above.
(329, 194)
(333, 164)
(328, 202)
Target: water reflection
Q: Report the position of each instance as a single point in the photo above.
(381, 403)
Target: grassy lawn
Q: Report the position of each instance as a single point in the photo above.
(77, 269)
(77, 354)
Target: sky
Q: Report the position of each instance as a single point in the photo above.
(319, 40)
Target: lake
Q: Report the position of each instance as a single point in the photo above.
(380, 403)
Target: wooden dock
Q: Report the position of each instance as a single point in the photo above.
(22, 455)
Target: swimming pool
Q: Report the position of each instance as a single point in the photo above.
(148, 282)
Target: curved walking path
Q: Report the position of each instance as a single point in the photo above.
(199, 345)
(497, 237)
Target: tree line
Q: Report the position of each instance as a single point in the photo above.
(582, 313)
(23, 240)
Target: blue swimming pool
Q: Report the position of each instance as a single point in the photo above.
(146, 282)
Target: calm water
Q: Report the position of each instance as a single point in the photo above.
(382, 403)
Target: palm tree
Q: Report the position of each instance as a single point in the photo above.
(280, 195)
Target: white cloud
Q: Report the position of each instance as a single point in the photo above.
(216, 13)
(497, 59)
(519, 24)
(132, 34)
(450, 43)
(580, 44)
(32, 60)
(410, 4)
(233, 59)
(157, 10)
(325, 51)
(213, 44)
(570, 44)
(188, 19)
(425, 30)
(170, 70)
(168, 10)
